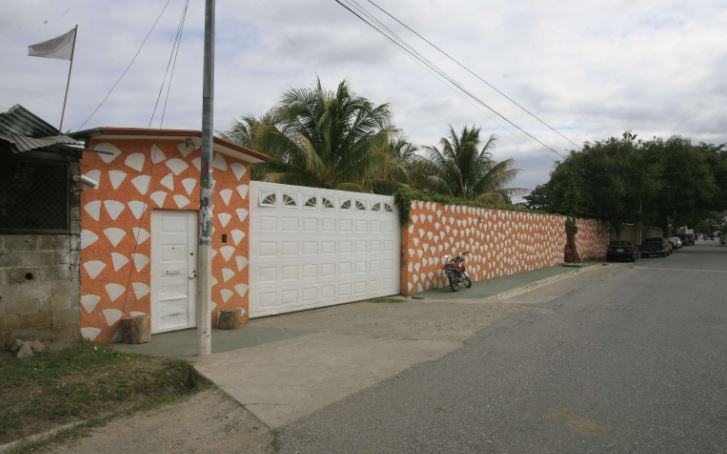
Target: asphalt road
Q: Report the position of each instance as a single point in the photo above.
(628, 358)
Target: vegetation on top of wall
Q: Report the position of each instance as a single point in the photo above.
(405, 196)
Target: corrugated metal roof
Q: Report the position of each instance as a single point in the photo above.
(20, 121)
(24, 131)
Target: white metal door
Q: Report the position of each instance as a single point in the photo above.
(173, 271)
(314, 247)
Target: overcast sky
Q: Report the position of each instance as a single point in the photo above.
(590, 68)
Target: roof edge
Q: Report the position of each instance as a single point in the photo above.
(168, 134)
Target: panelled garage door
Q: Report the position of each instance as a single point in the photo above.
(314, 247)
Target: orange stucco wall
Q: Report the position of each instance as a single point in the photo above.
(500, 242)
(136, 178)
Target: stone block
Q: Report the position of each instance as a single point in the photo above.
(26, 258)
(66, 317)
(37, 320)
(9, 322)
(65, 295)
(75, 214)
(22, 299)
(54, 242)
(21, 242)
(22, 275)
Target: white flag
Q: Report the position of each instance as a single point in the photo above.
(59, 47)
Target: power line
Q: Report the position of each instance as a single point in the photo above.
(123, 73)
(463, 66)
(174, 65)
(172, 57)
(431, 66)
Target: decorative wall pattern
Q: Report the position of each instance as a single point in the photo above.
(592, 238)
(135, 177)
(500, 242)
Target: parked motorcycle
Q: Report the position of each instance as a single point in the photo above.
(456, 273)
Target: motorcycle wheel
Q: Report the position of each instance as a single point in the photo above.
(467, 282)
(452, 283)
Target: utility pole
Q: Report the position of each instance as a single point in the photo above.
(204, 325)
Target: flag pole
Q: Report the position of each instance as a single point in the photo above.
(68, 80)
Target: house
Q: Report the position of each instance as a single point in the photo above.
(39, 229)
(138, 239)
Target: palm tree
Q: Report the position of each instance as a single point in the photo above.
(316, 137)
(463, 168)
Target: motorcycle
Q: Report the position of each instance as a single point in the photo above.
(456, 273)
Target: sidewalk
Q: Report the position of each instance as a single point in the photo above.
(284, 367)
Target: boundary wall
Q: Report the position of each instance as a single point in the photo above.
(500, 242)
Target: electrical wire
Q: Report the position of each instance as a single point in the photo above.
(123, 73)
(174, 65)
(172, 57)
(466, 68)
(438, 71)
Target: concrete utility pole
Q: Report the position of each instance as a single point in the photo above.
(204, 328)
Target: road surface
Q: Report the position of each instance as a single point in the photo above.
(628, 358)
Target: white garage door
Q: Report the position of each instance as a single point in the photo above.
(315, 247)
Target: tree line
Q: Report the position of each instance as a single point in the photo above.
(335, 139)
(657, 181)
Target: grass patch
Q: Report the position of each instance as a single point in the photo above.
(84, 382)
(387, 299)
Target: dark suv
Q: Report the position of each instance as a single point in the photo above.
(622, 250)
(655, 246)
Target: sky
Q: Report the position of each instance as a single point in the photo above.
(591, 69)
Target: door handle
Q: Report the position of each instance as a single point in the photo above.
(193, 275)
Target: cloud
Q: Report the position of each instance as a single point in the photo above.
(591, 68)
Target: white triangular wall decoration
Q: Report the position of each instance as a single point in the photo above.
(114, 235)
(157, 155)
(227, 274)
(180, 200)
(109, 152)
(226, 194)
(238, 169)
(113, 208)
(140, 261)
(241, 289)
(226, 294)
(90, 333)
(87, 238)
(241, 214)
(237, 236)
(159, 197)
(94, 267)
(116, 177)
(241, 262)
(242, 190)
(189, 184)
(224, 218)
(114, 291)
(226, 252)
(93, 209)
(176, 165)
(135, 161)
(141, 183)
(140, 234)
(218, 162)
(118, 260)
(140, 289)
(168, 181)
(112, 316)
(137, 208)
(89, 302)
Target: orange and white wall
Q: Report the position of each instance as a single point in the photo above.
(500, 242)
(136, 176)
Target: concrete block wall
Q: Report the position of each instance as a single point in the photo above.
(39, 282)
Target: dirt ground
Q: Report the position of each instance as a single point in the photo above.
(209, 422)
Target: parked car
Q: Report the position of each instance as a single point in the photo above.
(655, 246)
(688, 239)
(622, 250)
(676, 243)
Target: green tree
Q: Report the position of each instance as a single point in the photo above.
(321, 138)
(463, 167)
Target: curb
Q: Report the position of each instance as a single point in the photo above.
(39, 437)
(543, 282)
